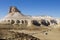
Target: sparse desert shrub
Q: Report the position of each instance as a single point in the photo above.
(45, 22)
(12, 21)
(17, 21)
(36, 23)
(53, 21)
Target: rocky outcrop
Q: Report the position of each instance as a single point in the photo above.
(15, 14)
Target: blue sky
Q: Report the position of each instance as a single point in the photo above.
(32, 7)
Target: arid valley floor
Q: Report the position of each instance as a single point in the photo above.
(40, 33)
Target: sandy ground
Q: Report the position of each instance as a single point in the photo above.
(43, 34)
(53, 34)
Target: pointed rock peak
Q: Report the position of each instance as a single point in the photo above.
(13, 10)
(14, 13)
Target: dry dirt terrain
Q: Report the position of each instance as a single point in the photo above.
(40, 33)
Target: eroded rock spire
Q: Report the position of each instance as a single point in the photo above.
(13, 10)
